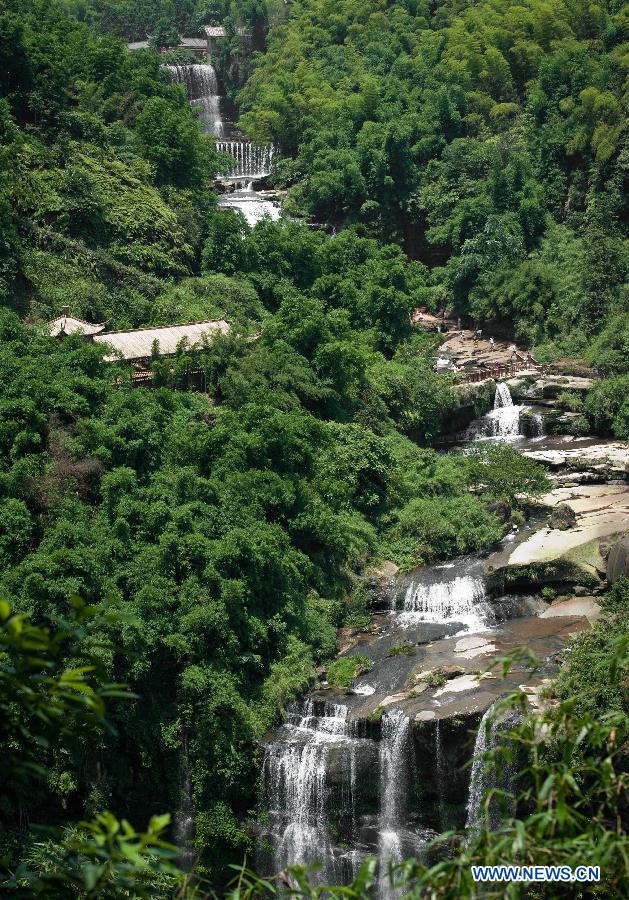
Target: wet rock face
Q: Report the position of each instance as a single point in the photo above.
(381, 585)
(500, 509)
(443, 749)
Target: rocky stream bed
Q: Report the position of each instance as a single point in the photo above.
(382, 766)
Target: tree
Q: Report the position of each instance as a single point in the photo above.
(44, 706)
(170, 138)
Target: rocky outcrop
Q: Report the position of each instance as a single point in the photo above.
(474, 400)
(618, 560)
(567, 551)
(544, 390)
(581, 459)
(562, 517)
(380, 582)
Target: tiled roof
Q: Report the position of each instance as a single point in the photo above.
(138, 344)
(194, 43)
(69, 325)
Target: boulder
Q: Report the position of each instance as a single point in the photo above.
(618, 560)
(563, 517)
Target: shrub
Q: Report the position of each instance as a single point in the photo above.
(402, 650)
(343, 671)
(607, 406)
(570, 400)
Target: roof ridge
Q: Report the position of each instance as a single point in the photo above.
(76, 319)
(158, 327)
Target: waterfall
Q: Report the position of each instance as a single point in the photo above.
(394, 755)
(502, 423)
(251, 160)
(480, 779)
(440, 772)
(296, 792)
(536, 425)
(503, 396)
(461, 599)
(483, 776)
(202, 87)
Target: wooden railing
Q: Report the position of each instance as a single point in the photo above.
(504, 370)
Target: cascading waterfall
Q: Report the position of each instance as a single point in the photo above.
(461, 599)
(202, 87)
(502, 423)
(538, 425)
(319, 801)
(394, 755)
(295, 785)
(503, 396)
(251, 160)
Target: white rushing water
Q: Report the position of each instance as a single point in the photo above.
(295, 784)
(502, 423)
(250, 160)
(480, 779)
(394, 778)
(483, 775)
(250, 204)
(202, 87)
(460, 599)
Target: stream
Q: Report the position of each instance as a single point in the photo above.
(382, 768)
(252, 163)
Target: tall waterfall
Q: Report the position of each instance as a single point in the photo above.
(202, 87)
(462, 598)
(250, 160)
(394, 755)
(316, 741)
(480, 779)
(484, 776)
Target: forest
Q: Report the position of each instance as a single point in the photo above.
(175, 566)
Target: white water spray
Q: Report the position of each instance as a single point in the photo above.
(295, 784)
(502, 423)
(484, 775)
(394, 756)
(461, 599)
(479, 779)
(251, 160)
(202, 87)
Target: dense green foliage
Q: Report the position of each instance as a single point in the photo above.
(489, 138)
(217, 537)
(227, 536)
(46, 709)
(589, 679)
